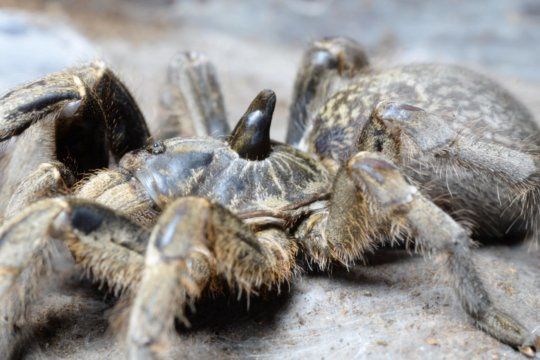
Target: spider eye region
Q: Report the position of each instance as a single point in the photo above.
(156, 148)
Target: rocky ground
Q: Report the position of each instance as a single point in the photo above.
(394, 307)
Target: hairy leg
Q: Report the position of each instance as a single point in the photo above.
(192, 104)
(126, 128)
(88, 111)
(77, 117)
(324, 60)
(22, 155)
(24, 256)
(48, 180)
(106, 245)
(120, 191)
(193, 241)
(373, 203)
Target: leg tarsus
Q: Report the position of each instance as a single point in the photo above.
(503, 327)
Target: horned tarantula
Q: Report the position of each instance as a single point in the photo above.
(374, 156)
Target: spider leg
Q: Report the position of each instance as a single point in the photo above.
(111, 188)
(326, 59)
(106, 245)
(85, 227)
(23, 154)
(48, 180)
(25, 238)
(88, 109)
(193, 241)
(393, 208)
(118, 190)
(126, 127)
(192, 104)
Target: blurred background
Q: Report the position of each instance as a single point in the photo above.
(389, 309)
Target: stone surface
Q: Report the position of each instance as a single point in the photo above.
(392, 308)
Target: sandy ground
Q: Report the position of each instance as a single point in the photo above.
(392, 308)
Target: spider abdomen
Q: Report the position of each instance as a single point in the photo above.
(470, 102)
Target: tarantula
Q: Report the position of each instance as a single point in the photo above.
(374, 157)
